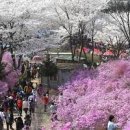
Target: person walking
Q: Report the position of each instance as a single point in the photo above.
(111, 125)
(53, 108)
(1, 118)
(5, 104)
(11, 104)
(45, 101)
(28, 90)
(25, 105)
(19, 123)
(27, 122)
(31, 97)
(40, 90)
(19, 105)
(9, 119)
(32, 107)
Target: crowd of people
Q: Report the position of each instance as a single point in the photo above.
(18, 105)
(21, 101)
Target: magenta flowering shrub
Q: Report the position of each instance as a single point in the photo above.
(88, 101)
(12, 78)
(11, 75)
(3, 87)
(7, 58)
(127, 127)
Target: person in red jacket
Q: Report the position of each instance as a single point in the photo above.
(19, 105)
(45, 101)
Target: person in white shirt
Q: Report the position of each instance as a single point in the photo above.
(111, 125)
(2, 114)
(32, 98)
(2, 117)
(60, 97)
(53, 108)
(25, 105)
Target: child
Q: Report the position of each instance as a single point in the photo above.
(27, 122)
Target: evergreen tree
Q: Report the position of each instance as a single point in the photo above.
(48, 69)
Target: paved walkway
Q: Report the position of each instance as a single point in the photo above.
(43, 119)
(40, 118)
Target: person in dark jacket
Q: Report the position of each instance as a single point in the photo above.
(19, 123)
(11, 104)
(27, 122)
(9, 119)
(5, 104)
(23, 68)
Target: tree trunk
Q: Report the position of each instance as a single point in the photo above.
(71, 48)
(73, 57)
(92, 51)
(19, 62)
(85, 55)
(48, 82)
(92, 57)
(129, 44)
(118, 54)
(82, 45)
(81, 49)
(1, 51)
(72, 51)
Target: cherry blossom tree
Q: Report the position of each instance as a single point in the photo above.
(3, 87)
(72, 13)
(20, 20)
(119, 12)
(117, 46)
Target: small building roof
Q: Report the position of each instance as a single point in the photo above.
(68, 66)
(69, 58)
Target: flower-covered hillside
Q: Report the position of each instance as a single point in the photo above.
(88, 101)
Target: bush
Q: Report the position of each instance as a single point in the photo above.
(93, 95)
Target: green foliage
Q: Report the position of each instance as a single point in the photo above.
(2, 66)
(48, 69)
(90, 64)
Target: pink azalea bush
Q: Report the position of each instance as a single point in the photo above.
(92, 96)
(12, 78)
(3, 87)
(127, 127)
(11, 75)
(7, 58)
